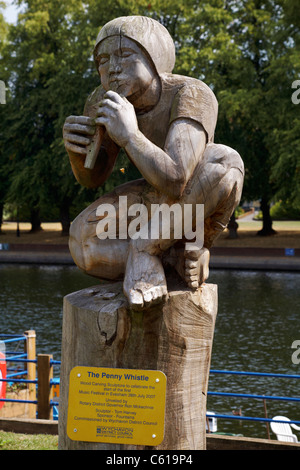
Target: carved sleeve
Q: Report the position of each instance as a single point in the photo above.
(196, 102)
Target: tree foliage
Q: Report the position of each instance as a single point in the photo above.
(246, 50)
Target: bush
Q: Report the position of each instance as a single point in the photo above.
(284, 211)
(239, 211)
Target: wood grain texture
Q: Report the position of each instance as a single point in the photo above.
(175, 337)
(165, 124)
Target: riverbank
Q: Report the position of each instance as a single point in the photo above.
(249, 251)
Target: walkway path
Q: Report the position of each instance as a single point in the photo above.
(281, 252)
(279, 259)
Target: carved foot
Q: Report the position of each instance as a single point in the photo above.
(144, 283)
(191, 264)
(196, 266)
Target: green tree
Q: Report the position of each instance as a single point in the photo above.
(285, 140)
(3, 27)
(46, 59)
(245, 50)
(3, 175)
(50, 72)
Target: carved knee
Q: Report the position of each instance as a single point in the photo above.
(75, 242)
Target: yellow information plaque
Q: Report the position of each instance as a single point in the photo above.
(125, 406)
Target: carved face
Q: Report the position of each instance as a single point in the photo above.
(123, 67)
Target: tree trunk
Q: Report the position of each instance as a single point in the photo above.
(267, 229)
(65, 217)
(174, 338)
(232, 228)
(1, 216)
(35, 220)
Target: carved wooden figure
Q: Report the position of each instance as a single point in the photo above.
(165, 123)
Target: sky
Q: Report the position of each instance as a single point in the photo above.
(10, 13)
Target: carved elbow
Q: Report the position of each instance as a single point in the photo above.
(87, 180)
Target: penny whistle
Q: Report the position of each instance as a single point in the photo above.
(94, 147)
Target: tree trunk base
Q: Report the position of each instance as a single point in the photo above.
(266, 232)
(99, 330)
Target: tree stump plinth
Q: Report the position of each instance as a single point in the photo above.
(99, 330)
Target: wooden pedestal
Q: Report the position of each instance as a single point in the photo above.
(99, 330)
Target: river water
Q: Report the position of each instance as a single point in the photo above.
(258, 320)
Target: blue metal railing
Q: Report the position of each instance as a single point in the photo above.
(22, 358)
(12, 338)
(249, 395)
(252, 396)
(250, 418)
(13, 356)
(258, 374)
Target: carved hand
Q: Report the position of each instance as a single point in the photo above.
(77, 133)
(118, 116)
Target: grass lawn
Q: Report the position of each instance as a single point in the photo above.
(14, 441)
(51, 234)
(288, 235)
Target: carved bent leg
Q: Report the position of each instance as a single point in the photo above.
(104, 258)
(216, 184)
(110, 259)
(196, 261)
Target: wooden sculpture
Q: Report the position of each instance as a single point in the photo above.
(165, 123)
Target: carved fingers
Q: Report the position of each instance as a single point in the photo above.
(118, 116)
(77, 133)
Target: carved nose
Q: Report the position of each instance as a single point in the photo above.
(114, 66)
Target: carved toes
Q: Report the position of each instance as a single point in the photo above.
(139, 300)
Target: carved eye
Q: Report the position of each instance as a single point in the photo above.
(126, 53)
(102, 60)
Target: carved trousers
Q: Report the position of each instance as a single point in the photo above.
(216, 183)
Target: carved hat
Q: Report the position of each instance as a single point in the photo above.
(152, 36)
